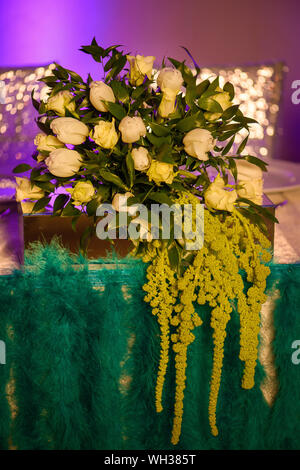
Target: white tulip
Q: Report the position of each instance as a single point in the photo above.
(198, 142)
(64, 162)
(141, 158)
(100, 92)
(70, 130)
(132, 129)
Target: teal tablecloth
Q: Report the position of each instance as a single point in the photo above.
(81, 365)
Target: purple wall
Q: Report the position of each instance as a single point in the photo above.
(218, 32)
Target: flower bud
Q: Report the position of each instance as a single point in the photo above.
(105, 135)
(216, 197)
(198, 142)
(70, 130)
(139, 67)
(132, 129)
(141, 158)
(160, 172)
(100, 92)
(60, 102)
(64, 162)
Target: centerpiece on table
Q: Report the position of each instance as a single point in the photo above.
(131, 139)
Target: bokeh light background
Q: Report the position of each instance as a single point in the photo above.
(219, 33)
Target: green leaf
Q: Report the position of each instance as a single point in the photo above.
(233, 168)
(161, 197)
(257, 161)
(230, 112)
(35, 103)
(118, 66)
(158, 141)
(202, 87)
(112, 178)
(137, 92)
(22, 168)
(242, 145)
(209, 104)
(230, 89)
(165, 154)
(70, 211)
(262, 210)
(75, 76)
(92, 206)
(173, 256)
(60, 201)
(116, 110)
(41, 204)
(191, 122)
(191, 93)
(95, 51)
(158, 129)
(228, 146)
(45, 177)
(120, 92)
(130, 168)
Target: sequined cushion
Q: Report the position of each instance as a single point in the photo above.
(17, 115)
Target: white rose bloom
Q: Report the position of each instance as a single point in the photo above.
(82, 192)
(141, 158)
(99, 91)
(216, 197)
(251, 178)
(64, 162)
(132, 129)
(247, 171)
(27, 206)
(170, 81)
(198, 142)
(252, 190)
(47, 142)
(170, 78)
(139, 67)
(145, 229)
(70, 130)
(105, 135)
(25, 190)
(119, 203)
(60, 102)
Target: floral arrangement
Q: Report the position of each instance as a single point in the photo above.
(153, 137)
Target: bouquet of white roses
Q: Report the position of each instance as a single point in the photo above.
(145, 138)
(131, 135)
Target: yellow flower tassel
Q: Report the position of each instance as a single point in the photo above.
(161, 298)
(213, 277)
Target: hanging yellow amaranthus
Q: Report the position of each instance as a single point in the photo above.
(232, 245)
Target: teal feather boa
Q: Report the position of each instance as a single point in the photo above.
(84, 363)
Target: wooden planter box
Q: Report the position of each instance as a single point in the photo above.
(44, 227)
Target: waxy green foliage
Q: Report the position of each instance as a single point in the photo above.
(112, 171)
